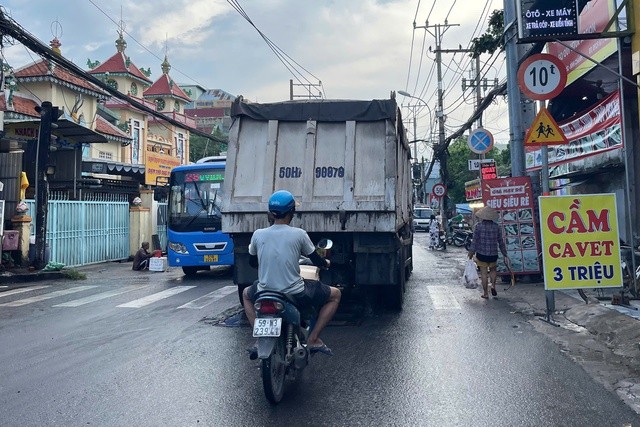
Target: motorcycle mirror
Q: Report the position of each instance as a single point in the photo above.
(325, 244)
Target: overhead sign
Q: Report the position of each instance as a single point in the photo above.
(580, 241)
(546, 20)
(480, 141)
(488, 170)
(545, 131)
(439, 190)
(542, 76)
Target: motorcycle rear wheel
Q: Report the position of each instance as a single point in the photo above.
(273, 373)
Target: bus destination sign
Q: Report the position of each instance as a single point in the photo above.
(546, 20)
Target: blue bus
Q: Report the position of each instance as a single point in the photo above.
(195, 239)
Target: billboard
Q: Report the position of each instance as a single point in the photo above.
(580, 241)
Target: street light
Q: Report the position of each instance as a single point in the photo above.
(415, 132)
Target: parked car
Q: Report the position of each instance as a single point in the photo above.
(421, 218)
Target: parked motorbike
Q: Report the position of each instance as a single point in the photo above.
(442, 241)
(462, 237)
(282, 330)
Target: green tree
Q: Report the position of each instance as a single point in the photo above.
(458, 167)
(493, 38)
(200, 147)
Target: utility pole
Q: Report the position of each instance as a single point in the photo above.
(440, 151)
(48, 115)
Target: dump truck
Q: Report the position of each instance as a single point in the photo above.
(348, 164)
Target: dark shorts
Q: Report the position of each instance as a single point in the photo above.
(315, 294)
(486, 260)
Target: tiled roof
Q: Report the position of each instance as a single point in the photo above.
(164, 86)
(21, 105)
(107, 129)
(41, 69)
(118, 64)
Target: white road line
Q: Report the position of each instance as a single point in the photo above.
(443, 298)
(21, 290)
(207, 299)
(156, 297)
(39, 298)
(97, 297)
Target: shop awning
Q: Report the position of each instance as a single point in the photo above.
(69, 129)
(113, 168)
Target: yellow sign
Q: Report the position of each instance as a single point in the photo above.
(580, 242)
(158, 165)
(545, 131)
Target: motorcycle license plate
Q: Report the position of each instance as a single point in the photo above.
(267, 327)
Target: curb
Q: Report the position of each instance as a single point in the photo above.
(9, 278)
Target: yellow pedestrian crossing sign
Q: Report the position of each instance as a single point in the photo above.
(545, 131)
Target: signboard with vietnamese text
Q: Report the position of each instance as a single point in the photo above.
(158, 165)
(580, 241)
(595, 132)
(513, 199)
(472, 190)
(488, 169)
(544, 19)
(592, 20)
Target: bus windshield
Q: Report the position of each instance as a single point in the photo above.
(194, 200)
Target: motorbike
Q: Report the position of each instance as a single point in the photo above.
(282, 329)
(462, 237)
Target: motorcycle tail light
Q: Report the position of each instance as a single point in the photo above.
(268, 307)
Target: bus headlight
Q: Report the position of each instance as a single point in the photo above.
(178, 248)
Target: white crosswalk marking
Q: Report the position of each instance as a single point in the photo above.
(97, 297)
(442, 298)
(156, 297)
(21, 290)
(207, 299)
(39, 298)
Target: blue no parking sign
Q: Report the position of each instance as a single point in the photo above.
(480, 141)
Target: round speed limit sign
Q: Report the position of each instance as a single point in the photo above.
(542, 76)
(439, 190)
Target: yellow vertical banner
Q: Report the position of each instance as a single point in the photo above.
(580, 241)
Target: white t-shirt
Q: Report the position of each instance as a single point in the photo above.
(278, 249)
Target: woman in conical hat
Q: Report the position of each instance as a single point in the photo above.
(487, 239)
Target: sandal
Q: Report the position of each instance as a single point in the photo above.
(494, 292)
(484, 296)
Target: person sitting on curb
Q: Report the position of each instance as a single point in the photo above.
(141, 258)
(487, 239)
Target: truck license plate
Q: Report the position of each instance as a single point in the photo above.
(269, 327)
(211, 258)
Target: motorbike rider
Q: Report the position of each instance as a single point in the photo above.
(276, 250)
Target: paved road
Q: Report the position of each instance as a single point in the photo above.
(147, 349)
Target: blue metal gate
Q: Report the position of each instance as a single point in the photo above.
(86, 232)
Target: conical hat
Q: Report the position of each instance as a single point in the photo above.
(487, 213)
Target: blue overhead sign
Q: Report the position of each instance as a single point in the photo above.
(480, 141)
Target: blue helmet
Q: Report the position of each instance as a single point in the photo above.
(281, 203)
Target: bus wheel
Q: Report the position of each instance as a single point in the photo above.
(190, 271)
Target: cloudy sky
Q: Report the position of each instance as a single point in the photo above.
(358, 49)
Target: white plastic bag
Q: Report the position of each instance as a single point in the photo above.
(470, 279)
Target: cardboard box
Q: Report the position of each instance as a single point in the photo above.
(158, 264)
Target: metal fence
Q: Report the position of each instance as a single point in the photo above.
(86, 232)
(162, 224)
